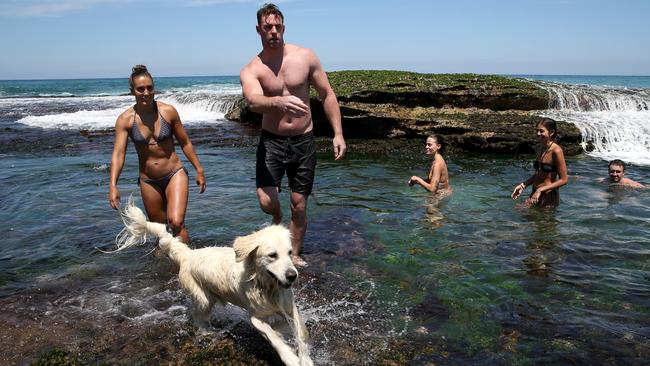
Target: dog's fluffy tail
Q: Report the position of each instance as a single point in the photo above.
(136, 229)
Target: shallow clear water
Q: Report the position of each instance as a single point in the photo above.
(498, 281)
(474, 279)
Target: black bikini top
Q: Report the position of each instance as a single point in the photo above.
(546, 168)
(165, 132)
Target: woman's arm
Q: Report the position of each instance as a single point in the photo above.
(117, 160)
(186, 145)
(519, 189)
(430, 184)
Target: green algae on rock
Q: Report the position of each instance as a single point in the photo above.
(486, 113)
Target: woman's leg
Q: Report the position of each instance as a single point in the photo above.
(154, 202)
(549, 199)
(177, 193)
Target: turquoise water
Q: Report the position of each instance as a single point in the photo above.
(474, 279)
(638, 82)
(476, 274)
(100, 87)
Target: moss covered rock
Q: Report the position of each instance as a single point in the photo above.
(475, 113)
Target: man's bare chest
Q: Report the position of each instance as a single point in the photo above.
(291, 77)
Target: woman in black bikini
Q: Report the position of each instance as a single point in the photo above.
(163, 181)
(550, 169)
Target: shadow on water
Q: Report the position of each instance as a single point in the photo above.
(543, 240)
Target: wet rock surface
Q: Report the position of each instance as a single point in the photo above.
(122, 318)
(143, 317)
(475, 113)
(45, 328)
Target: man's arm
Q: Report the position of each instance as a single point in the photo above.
(260, 103)
(330, 104)
(633, 183)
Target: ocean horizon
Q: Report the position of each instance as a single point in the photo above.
(576, 78)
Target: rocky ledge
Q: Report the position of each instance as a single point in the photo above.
(477, 113)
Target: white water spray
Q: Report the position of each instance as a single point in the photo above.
(615, 121)
(93, 113)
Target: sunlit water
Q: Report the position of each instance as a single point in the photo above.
(487, 279)
(474, 279)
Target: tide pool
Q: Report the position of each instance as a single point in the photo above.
(393, 276)
(474, 279)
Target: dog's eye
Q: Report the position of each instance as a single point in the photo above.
(273, 255)
(290, 252)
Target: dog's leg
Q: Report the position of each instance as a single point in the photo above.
(202, 304)
(284, 351)
(300, 333)
(302, 337)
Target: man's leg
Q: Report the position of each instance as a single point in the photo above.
(301, 180)
(298, 226)
(270, 203)
(269, 169)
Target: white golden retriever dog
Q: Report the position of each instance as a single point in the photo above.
(256, 275)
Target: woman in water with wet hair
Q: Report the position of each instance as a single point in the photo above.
(163, 181)
(437, 180)
(550, 168)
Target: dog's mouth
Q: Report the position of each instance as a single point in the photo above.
(283, 284)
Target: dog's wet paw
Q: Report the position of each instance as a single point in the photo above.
(305, 361)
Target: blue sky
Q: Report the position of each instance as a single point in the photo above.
(104, 38)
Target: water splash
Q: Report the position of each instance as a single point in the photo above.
(614, 121)
(95, 113)
(215, 103)
(585, 98)
(352, 317)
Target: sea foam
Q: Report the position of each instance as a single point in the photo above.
(615, 121)
(101, 112)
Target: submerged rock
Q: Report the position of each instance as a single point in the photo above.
(476, 113)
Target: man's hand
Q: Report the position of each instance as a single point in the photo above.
(339, 147)
(292, 106)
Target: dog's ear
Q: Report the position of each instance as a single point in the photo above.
(244, 246)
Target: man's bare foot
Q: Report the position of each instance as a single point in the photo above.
(299, 262)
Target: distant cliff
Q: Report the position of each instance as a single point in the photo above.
(478, 113)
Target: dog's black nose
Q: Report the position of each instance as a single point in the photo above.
(291, 275)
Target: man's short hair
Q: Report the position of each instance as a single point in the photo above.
(617, 162)
(268, 9)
